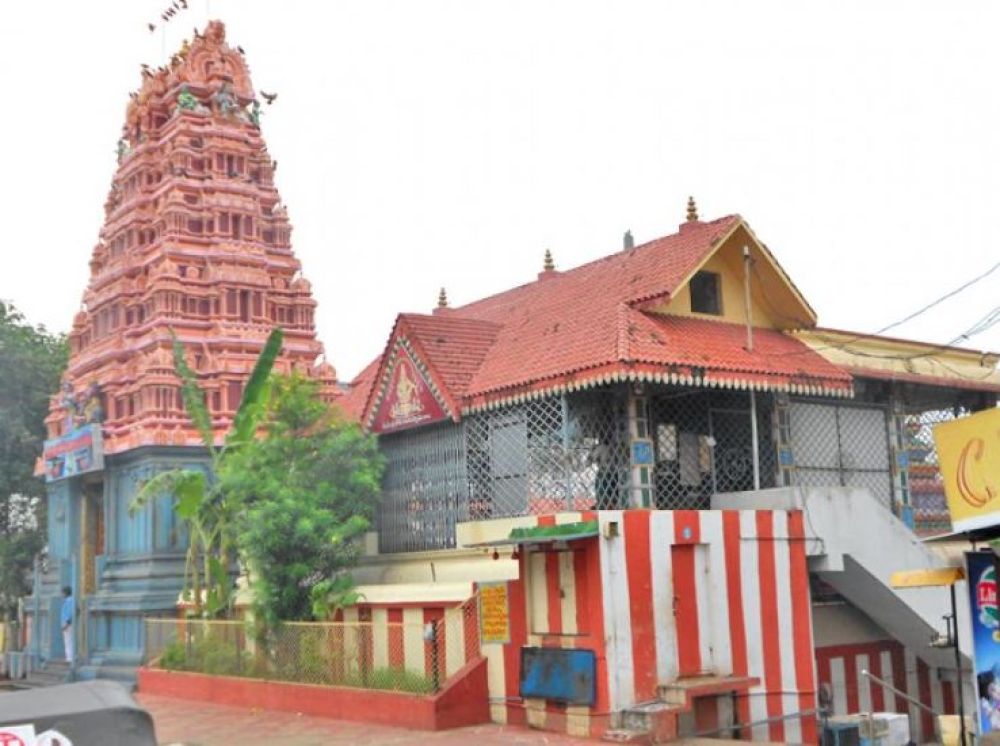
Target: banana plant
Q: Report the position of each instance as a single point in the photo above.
(198, 501)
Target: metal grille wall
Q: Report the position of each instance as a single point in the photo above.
(559, 453)
(424, 492)
(544, 456)
(703, 443)
(841, 445)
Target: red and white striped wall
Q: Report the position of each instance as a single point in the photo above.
(841, 667)
(396, 638)
(672, 594)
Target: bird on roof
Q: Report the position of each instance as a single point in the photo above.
(196, 34)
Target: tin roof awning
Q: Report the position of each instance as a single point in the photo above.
(544, 534)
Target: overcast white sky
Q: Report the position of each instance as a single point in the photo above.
(449, 143)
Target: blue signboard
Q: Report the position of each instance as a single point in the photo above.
(560, 675)
(642, 452)
(77, 452)
(982, 583)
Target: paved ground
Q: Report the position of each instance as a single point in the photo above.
(198, 724)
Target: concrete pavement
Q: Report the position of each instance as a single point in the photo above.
(200, 724)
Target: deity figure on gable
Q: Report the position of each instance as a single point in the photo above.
(407, 402)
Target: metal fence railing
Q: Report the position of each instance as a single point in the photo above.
(409, 656)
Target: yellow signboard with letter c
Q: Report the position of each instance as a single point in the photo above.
(969, 457)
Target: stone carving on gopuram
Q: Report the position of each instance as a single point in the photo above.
(195, 239)
(195, 242)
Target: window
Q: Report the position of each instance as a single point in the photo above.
(705, 293)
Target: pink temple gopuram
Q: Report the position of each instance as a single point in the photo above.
(195, 240)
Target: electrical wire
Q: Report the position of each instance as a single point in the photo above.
(942, 299)
(992, 318)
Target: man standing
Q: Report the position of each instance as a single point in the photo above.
(66, 620)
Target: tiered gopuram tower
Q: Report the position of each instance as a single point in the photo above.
(195, 239)
(196, 242)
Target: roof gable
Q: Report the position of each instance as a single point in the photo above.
(425, 370)
(776, 302)
(406, 397)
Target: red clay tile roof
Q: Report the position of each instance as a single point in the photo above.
(569, 321)
(585, 320)
(452, 345)
(353, 403)
(587, 325)
(720, 347)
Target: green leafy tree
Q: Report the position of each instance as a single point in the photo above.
(307, 489)
(31, 362)
(200, 501)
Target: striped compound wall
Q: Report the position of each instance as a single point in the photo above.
(673, 594)
(396, 638)
(841, 667)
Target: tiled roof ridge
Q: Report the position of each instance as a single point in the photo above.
(449, 318)
(734, 218)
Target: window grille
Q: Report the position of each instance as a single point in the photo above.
(424, 492)
(548, 455)
(845, 445)
(703, 445)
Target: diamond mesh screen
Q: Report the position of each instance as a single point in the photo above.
(538, 457)
(841, 445)
(703, 443)
(548, 455)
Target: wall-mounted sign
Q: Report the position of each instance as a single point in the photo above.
(408, 400)
(494, 613)
(982, 584)
(562, 675)
(77, 452)
(969, 457)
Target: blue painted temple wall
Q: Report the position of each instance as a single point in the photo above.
(139, 574)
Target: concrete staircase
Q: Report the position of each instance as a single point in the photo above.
(670, 715)
(854, 543)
